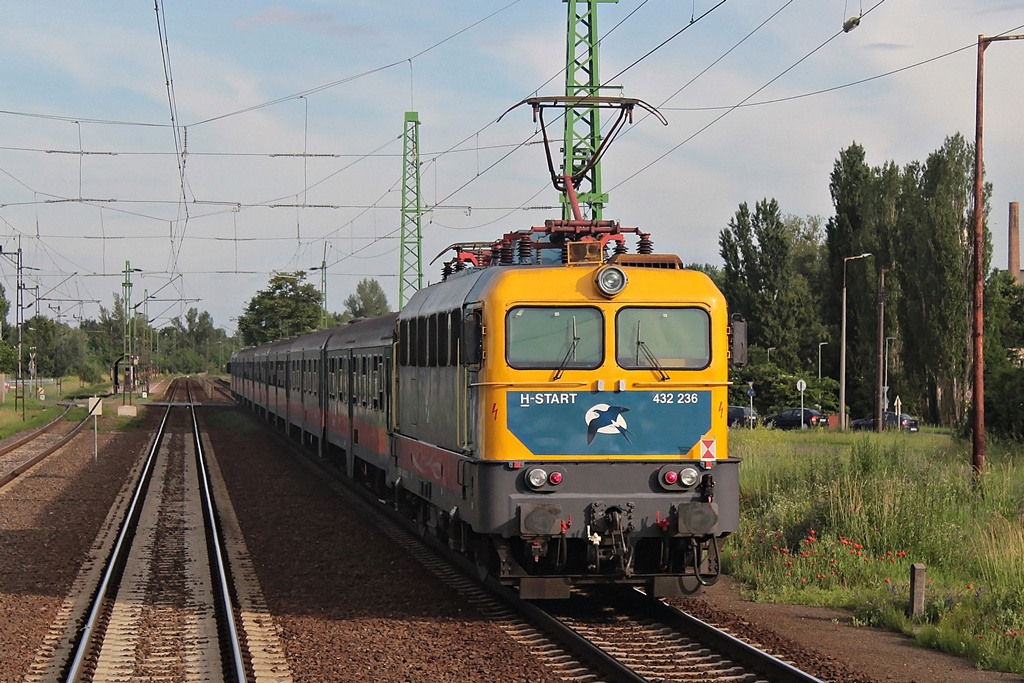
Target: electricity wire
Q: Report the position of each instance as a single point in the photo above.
(737, 105)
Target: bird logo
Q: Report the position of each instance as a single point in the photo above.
(605, 419)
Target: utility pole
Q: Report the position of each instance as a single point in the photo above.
(410, 266)
(978, 321)
(323, 289)
(879, 378)
(129, 316)
(582, 136)
(19, 387)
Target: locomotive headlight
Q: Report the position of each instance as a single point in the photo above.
(536, 478)
(688, 476)
(611, 280)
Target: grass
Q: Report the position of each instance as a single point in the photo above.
(836, 519)
(40, 412)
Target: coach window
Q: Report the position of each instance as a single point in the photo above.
(365, 366)
(454, 329)
(404, 342)
(339, 378)
(551, 337)
(422, 341)
(376, 382)
(431, 340)
(667, 338)
(332, 388)
(440, 339)
(408, 342)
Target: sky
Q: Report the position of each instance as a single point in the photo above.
(208, 146)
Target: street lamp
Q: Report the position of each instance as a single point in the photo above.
(770, 349)
(820, 344)
(842, 346)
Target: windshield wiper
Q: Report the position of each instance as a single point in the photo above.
(571, 353)
(650, 357)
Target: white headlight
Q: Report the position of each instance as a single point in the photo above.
(611, 280)
(536, 478)
(688, 476)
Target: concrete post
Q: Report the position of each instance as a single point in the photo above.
(917, 581)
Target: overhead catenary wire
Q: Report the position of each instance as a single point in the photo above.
(459, 189)
(180, 136)
(181, 132)
(736, 106)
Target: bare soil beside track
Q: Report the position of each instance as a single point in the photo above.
(826, 642)
(351, 605)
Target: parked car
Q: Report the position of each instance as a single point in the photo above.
(742, 416)
(890, 420)
(790, 418)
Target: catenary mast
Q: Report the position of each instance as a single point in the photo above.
(410, 276)
(583, 124)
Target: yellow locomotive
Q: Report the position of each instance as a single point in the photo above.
(566, 423)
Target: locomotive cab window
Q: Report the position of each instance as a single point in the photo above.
(550, 337)
(674, 338)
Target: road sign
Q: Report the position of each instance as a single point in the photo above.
(800, 386)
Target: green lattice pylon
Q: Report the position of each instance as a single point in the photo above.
(410, 276)
(583, 124)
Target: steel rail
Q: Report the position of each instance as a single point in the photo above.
(31, 462)
(213, 538)
(737, 650)
(42, 430)
(118, 555)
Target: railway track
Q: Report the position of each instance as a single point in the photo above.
(19, 456)
(614, 636)
(163, 601)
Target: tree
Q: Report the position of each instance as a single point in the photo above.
(69, 353)
(759, 282)
(286, 308)
(1004, 352)
(368, 301)
(934, 250)
(8, 351)
(850, 233)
